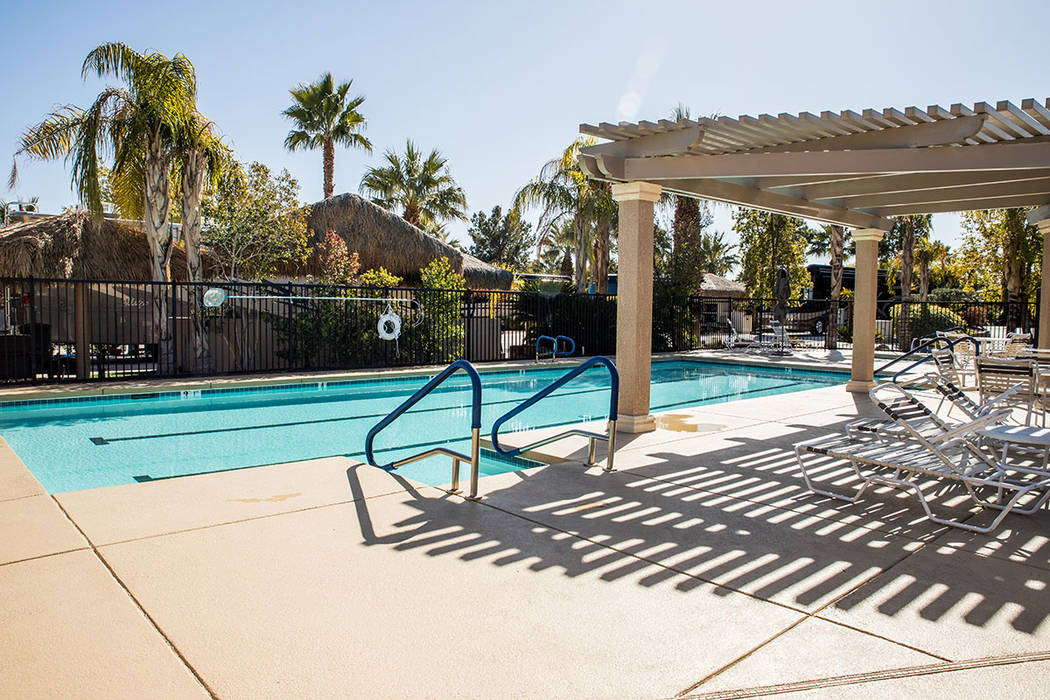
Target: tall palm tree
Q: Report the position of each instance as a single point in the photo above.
(136, 124)
(420, 189)
(565, 194)
(324, 117)
(204, 160)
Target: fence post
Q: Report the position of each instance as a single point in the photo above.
(80, 331)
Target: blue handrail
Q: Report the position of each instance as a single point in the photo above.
(950, 344)
(554, 342)
(475, 426)
(572, 349)
(614, 398)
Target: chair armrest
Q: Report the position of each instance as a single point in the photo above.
(994, 403)
(973, 426)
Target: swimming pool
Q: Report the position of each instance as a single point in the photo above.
(88, 442)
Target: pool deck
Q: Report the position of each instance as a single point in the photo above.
(701, 567)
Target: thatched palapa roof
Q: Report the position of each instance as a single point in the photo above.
(383, 239)
(77, 246)
(713, 285)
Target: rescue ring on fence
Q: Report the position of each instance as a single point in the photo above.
(389, 325)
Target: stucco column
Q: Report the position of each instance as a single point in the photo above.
(634, 303)
(1040, 218)
(865, 294)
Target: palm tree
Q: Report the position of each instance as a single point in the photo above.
(204, 160)
(715, 254)
(565, 194)
(136, 124)
(420, 189)
(323, 117)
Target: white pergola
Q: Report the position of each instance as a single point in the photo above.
(854, 169)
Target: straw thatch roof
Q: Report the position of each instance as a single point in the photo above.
(383, 239)
(714, 286)
(76, 246)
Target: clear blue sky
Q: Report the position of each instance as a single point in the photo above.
(502, 87)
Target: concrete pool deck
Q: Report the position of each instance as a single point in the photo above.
(701, 567)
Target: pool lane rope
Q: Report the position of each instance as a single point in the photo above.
(388, 326)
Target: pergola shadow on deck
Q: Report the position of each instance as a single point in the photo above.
(853, 169)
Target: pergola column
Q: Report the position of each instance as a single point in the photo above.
(1040, 218)
(865, 296)
(634, 303)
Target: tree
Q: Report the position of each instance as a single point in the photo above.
(323, 117)
(203, 162)
(420, 189)
(907, 230)
(136, 124)
(501, 238)
(926, 253)
(768, 241)
(255, 224)
(1001, 254)
(334, 260)
(715, 255)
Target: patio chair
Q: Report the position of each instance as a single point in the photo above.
(952, 458)
(1016, 345)
(996, 375)
(731, 340)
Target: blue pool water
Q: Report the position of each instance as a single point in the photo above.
(105, 441)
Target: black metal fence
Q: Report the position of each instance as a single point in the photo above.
(702, 322)
(54, 330)
(898, 323)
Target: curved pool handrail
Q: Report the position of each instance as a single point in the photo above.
(457, 457)
(557, 341)
(610, 436)
(554, 343)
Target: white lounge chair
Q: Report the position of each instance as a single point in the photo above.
(953, 457)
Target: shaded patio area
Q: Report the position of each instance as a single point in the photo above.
(701, 567)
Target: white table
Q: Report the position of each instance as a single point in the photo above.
(1025, 436)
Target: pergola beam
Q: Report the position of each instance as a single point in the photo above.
(722, 191)
(1005, 202)
(1004, 156)
(649, 145)
(948, 194)
(885, 184)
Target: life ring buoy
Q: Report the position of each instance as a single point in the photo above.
(389, 326)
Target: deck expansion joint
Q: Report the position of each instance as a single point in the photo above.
(873, 676)
(127, 591)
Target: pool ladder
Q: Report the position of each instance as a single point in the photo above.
(609, 437)
(555, 341)
(457, 457)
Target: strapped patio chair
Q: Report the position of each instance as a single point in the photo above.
(995, 376)
(950, 458)
(955, 363)
(957, 398)
(908, 408)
